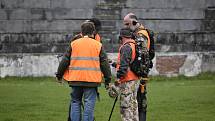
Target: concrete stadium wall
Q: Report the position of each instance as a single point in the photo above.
(32, 32)
(169, 64)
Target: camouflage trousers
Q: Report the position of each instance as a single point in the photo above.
(128, 101)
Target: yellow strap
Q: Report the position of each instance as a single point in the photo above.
(142, 86)
(142, 89)
(145, 79)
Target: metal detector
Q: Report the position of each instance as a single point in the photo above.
(113, 108)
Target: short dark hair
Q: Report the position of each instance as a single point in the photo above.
(97, 23)
(87, 28)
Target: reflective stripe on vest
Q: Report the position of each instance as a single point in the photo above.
(84, 61)
(85, 58)
(84, 68)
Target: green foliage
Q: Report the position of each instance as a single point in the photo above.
(170, 99)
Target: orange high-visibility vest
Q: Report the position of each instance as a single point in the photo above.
(84, 63)
(129, 75)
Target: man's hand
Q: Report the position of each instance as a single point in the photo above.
(117, 82)
(113, 90)
(58, 78)
(107, 86)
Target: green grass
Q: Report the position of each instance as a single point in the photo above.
(170, 99)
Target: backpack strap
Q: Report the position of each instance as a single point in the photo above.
(150, 32)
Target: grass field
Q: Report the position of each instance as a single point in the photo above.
(170, 99)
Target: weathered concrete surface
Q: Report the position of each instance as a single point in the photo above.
(25, 4)
(28, 64)
(184, 31)
(44, 14)
(170, 64)
(192, 65)
(57, 42)
(175, 63)
(163, 4)
(33, 43)
(208, 62)
(183, 13)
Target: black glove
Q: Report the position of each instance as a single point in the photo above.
(107, 83)
(58, 77)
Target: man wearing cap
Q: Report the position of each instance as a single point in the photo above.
(139, 31)
(126, 79)
(82, 67)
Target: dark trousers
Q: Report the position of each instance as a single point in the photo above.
(142, 104)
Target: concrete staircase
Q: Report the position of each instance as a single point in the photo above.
(109, 12)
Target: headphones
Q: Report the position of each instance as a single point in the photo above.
(134, 23)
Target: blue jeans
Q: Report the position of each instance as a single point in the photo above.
(89, 94)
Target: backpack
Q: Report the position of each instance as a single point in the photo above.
(142, 62)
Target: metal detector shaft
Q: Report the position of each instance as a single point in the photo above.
(113, 108)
